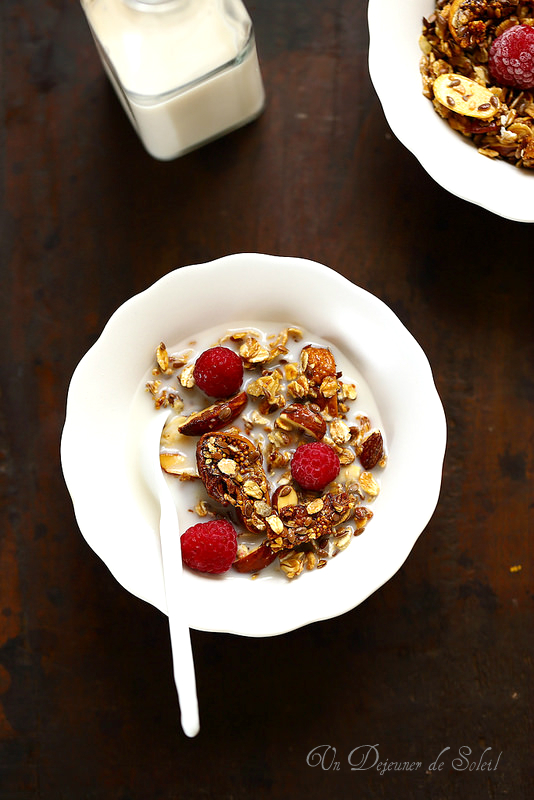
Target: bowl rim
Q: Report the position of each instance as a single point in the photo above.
(84, 400)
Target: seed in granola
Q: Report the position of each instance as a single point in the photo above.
(484, 106)
(450, 101)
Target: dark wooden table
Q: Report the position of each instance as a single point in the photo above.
(440, 657)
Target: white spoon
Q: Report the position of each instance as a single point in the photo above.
(169, 532)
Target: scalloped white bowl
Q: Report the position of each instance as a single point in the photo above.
(452, 160)
(118, 517)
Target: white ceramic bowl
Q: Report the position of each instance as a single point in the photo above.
(452, 160)
(117, 515)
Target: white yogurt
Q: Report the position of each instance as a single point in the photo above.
(185, 71)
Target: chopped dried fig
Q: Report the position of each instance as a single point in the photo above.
(215, 416)
(372, 450)
(466, 19)
(306, 522)
(230, 467)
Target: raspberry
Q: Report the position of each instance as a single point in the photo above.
(209, 546)
(218, 372)
(511, 57)
(314, 465)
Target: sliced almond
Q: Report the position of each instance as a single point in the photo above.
(284, 496)
(175, 464)
(464, 96)
(171, 436)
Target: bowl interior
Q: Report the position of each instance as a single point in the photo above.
(448, 157)
(116, 513)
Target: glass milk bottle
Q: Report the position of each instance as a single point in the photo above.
(186, 71)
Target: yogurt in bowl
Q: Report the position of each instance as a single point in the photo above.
(107, 401)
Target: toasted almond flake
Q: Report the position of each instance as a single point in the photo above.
(242, 550)
(311, 561)
(253, 352)
(315, 506)
(349, 391)
(291, 371)
(227, 466)
(162, 357)
(275, 523)
(369, 484)
(328, 387)
(252, 489)
(339, 431)
(262, 508)
(292, 564)
(186, 377)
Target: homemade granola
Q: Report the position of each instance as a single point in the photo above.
(456, 41)
(241, 448)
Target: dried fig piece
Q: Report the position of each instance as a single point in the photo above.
(256, 560)
(468, 19)
(305, 522)
(319, 366)
(230, 467)
(215, 416)
(372, 450)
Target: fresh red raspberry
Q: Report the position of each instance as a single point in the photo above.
(218, 372)
(314, 465)
(511, 57)
(209, 546)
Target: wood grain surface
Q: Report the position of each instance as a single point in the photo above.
(441, 656)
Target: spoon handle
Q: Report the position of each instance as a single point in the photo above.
(182, 653)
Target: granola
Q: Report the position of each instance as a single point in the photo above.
(242, 448)
(455, 41)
